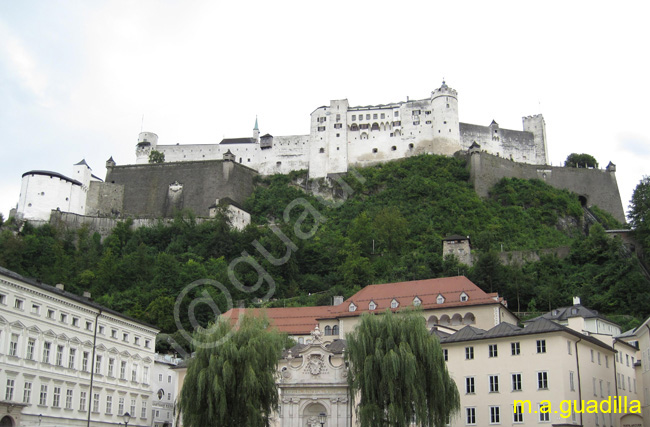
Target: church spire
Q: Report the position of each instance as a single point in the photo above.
(256, 131)
(255, 128)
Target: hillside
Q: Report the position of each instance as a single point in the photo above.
(389, 228)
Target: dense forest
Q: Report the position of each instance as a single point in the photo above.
(380, 224)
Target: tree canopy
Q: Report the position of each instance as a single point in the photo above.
(156, 157)
(575, 160)
(231, 379)
(398, 371)
(639, 213)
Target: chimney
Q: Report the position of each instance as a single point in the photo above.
(86, 294)
(60, 286)
(338, 300)
(576, 300)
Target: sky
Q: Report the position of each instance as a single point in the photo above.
(81, 79)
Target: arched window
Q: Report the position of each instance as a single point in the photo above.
(433, 321)
(328, 330)
(354, 127)
(456, 319)
(321, 150)
(444, 320)
(469, 319)
(375, 126)
(335, 330)
(364, 135)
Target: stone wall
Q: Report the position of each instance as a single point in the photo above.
(597, 187)
(159, 190)
(104, 199)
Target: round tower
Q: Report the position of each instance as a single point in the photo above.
(147, 141)
(444, 109)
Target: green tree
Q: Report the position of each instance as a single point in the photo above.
(398, 371)
(231, 379)
(575, 160)
(639, 213)
(156, 157)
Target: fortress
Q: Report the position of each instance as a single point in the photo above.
(199, 176)
(342, 136)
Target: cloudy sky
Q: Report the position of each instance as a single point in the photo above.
(77, 77)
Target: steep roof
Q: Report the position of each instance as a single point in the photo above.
(82, 162)
(427, 291)
(538, 326)
(292, 320)
(53, 174)
(238, 141)
(577, 310)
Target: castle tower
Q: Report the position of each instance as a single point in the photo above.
(537, 126)
(110, 162)
(444, 109)
(328, 150)
(147, 142)
(256, 131)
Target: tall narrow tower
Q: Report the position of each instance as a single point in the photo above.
(256, 131)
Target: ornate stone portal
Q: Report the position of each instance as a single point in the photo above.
(312, 380)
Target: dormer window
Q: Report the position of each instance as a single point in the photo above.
(352, 307)
(394, 303)
(555, 312)
(463, 297)
(574, 311)
(417, 302)
(440, 299)
(372, 305)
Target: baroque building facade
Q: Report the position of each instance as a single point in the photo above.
(65, 360)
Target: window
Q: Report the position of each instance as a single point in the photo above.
(98, 364)
(627, 359)
(568, 346)
(63, 318)
(82, 401)
(120, 406)
(606, 361)
(71, 355)
(352, 307)
(123, 370)
(338, 125)
(494, 383)
(3, 298)
(43, 397)
(321, 128)
(440, 299)
(75, 321)
(469, 385)
(56, 400)
(147, 343)
(145, 375)
(134, 373)
(143, 411)
(544, 413)
(592, 356)
(160, 377)
(464, 297)
(18, 303)
(492, 350)
(133, 406)
(169, 379)
(36, 309)
(111, 367)
(572, 386)
(600, 386)
(27, 392)
(9, 393)
(89, 325)
(31, 344)
(46, 352)
(13, 345)
(84, 362)
(354, 117)
(515, 348)
(136, 340)
(109, 404)
(518, 414)
(100, 329)
(495, 416)
(125, 337)
(416, 112)
(516, 382)
(542, 380)
(96, 402)
(169, 396)
(367, 116)
(394, 304)
(372, 305)
(469, 353)
(114, 333)
(396, 113)
(335, 330)
(445, 354)
(59, 355)
(541, 346)
(599, 357)
(374, 150)
(415, 123)
(68, 399)
(417, 302)
(470, 415)
(328, 330)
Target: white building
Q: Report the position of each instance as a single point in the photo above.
(342, 135)
(44, 191)
(64, 359)
(164, 385)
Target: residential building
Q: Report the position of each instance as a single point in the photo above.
(65, 359)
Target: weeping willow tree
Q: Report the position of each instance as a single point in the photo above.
(398, 372)
(230, 380)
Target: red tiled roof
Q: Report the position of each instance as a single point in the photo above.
(426, 290)
(292, 320)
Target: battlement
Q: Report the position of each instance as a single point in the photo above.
(444, 90)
